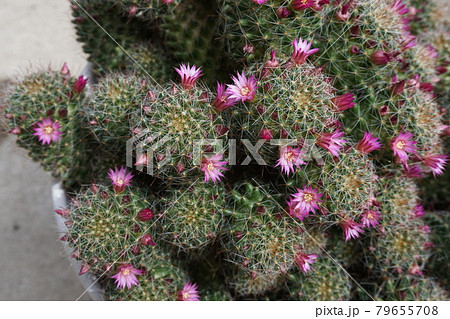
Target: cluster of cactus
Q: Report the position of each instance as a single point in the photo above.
(297, 181)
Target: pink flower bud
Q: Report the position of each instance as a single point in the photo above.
(145, 214)
(398, 87)
(266, 134)
(65, 72)
(84, 269)
(141, 160)
(147, 240)
(248, 48)
(383, 110)
(79, 84)
(283, 12)
(133, 10)
(63, 212)
(380, 57)
(16, 130)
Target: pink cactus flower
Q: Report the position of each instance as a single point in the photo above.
(431, 52)
(212, 167)
(331, 142)
(319, 4)
(435, 162)
(120, 179)
(418, 211)
(408, 40)
(141, 160)
(189, 75)
(402, 145)
(260, 2)
(289, 157)
(189, 293)
(301, 51)
(304, 261)
(413, 171)
(79, 84)
(307, 199)
(368, 143)
(400, 7)
(147, 240)
(296, 212)
(223, 100)
(48, 131)
(244, 89)
(343, 14)
(299, 5)
(415, 270)
(351, 229)
(370, 218)
(343, 102)
(270, 64)
(127, 276)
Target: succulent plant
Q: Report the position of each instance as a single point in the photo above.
(296, 179)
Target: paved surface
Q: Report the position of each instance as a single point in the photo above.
(33, 34)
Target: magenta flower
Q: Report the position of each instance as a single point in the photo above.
(408, 40)
(189, 75)
(212, 167)
(296, 212)
(400, 7)
(304, 261)
(370, 218)
(343, 13)
(343, 102)
(289, 157)
(301, 51)
(351, 228)
(189, 293)
(307, 200)
(79, 84)
(331, 142)
(415, 270)
(223, 100)
(435, 162)
(120, 179)
(127, 276)
(319, 4)
(413, 171)
(418, 211)
(299, 5)
(260, 1)
(48, 131)
(401, 145)
(244, 89)
(368, 143)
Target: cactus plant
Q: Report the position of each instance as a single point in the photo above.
(295, 179)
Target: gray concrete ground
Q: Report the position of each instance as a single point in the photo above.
(33, 34)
